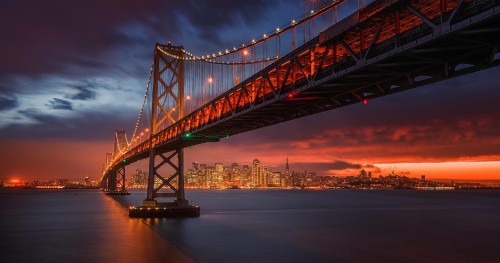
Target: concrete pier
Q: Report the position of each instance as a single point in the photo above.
(117, 192)
(163, 210)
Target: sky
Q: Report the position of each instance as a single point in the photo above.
(72, 72)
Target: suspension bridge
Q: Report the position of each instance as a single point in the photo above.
(382, 48)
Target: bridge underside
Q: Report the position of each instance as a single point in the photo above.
(473, 49)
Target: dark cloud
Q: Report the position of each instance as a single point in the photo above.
(8, 103)
(83, 34)
(336, 167)
(84, 93)
(29, 112)
(60, 104)
(95, 126)
(6, 90)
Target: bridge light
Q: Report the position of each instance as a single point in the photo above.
(188, 97)
(210, 80)
(146, 130)
(124, 160)
(245, 52)
(365, 101)
(290, 96)
(278, 29)
(187, 135)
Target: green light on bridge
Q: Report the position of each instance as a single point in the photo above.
(187, 135)
(124, 160)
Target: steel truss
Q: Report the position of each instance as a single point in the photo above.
(120, 178)
(168, 87)
(174, 181)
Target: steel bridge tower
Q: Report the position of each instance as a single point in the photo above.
(167, 108)
(115, 184)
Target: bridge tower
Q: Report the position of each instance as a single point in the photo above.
(116, 177)
(167, 108)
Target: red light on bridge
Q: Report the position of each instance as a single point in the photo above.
(290, 96)
(365, 101)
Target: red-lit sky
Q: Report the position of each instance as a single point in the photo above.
(73, 72)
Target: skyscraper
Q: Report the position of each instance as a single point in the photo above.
(263, 176)
(287, 180)
(287, 168)
(255, 172)
(219, 167)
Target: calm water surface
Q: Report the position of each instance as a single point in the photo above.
(254, 226)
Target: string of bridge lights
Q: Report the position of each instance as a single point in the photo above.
(120, 148)
(191, 57)
(142, 107)
(209, 58)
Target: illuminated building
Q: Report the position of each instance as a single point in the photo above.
(255, 172)
(219, 167)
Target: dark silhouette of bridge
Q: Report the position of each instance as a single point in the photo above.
(386, 47)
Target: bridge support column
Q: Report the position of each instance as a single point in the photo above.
(167, 108)
(173, 183)
(112, 181)
(120, 178)
(116, 182)
(167, 183)
(150, 198)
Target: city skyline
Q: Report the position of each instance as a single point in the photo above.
(293, 167)
(257, 175)
(58, 112)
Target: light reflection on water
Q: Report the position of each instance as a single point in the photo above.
(254, 226)
(337, 226)
(76, 226)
